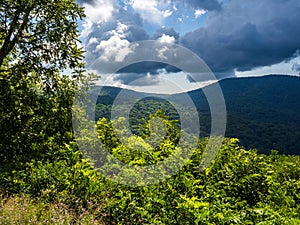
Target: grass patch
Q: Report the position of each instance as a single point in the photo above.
(22, 209)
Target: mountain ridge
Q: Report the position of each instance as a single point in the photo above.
(260, 109)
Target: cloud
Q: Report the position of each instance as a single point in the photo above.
(295, 62)
(296, 67)
(110, 40)
(164, 31)
(149, 10)
(99, 10)
(199, 12)
(136, 79)
(154, 68)
(161, 52)
(247, 35)
(166, 39)
(236, 36)
(114, 49)
(211, 5)
(167, 13)
(85, 1)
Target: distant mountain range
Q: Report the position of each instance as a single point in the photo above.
(263, 112)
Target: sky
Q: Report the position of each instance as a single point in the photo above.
(234, 38)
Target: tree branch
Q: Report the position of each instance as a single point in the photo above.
(9, 44)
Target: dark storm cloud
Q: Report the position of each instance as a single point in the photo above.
(209, 5)
(148, 67)
(104, 31)
(248, 34)
(134, 32)
(134, 22)
(153, 67)
(85, 1)
(136, 79)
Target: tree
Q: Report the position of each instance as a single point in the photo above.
(40, 34)
(38, 41)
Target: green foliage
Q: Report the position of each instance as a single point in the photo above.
(39, 41)
(158, 140)
(239, 187)
(140, 113)
(40, 36)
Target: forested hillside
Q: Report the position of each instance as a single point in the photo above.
(262, 111)
(239, 187)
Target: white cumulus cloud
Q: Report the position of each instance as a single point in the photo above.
(166, 39)
(161, 52)
(120, 30)
(148, 10)
(200, 12)
(152, 10)
(100, 11)
(114, 49)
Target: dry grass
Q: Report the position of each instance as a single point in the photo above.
(25, 210)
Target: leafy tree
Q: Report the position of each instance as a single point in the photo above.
(38, 41)
(41, 35)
